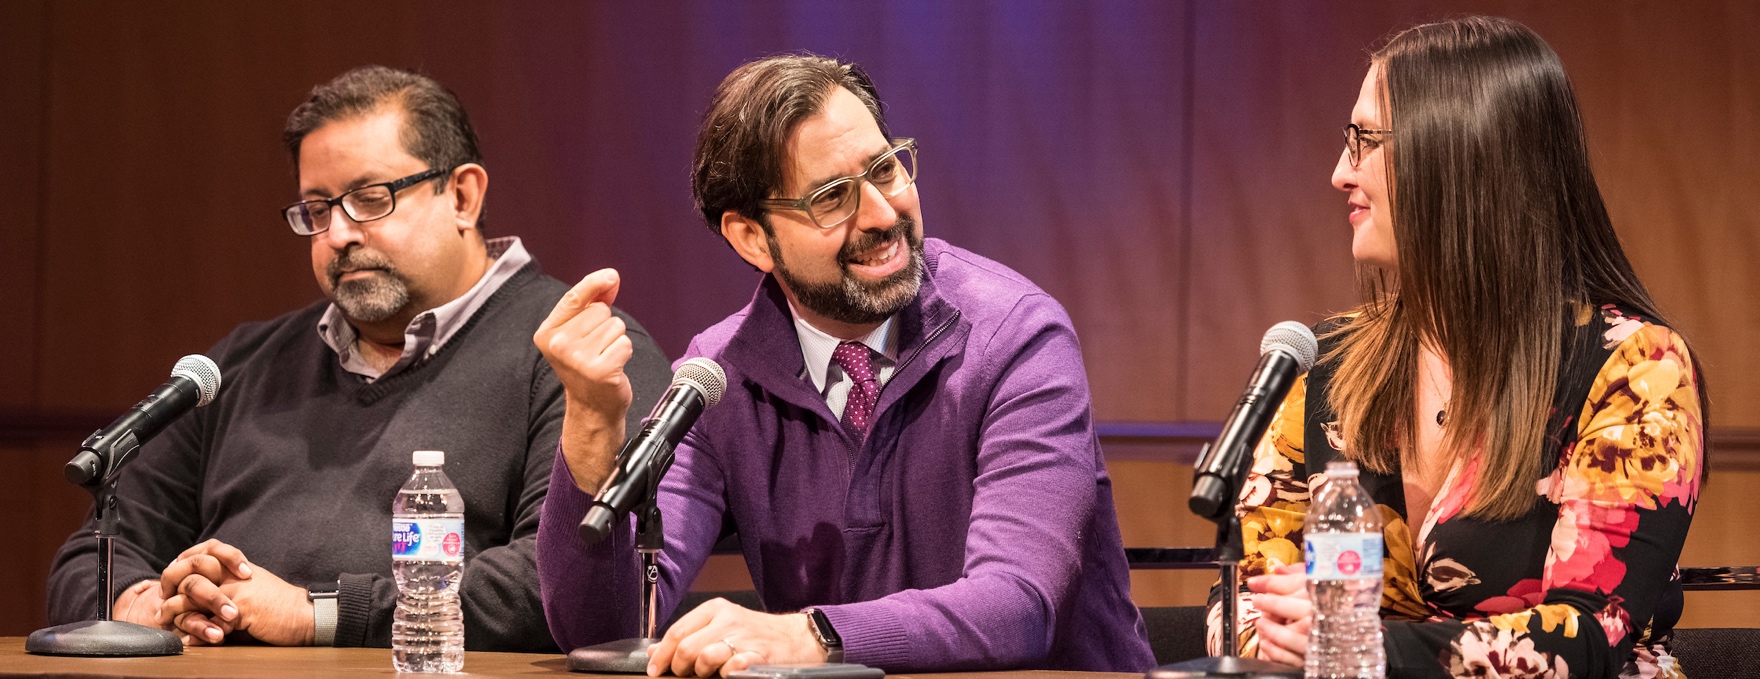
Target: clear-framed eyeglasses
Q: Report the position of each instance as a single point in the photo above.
(1356, 139)
(839, 199)
(365, 204)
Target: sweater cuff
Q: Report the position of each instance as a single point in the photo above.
(122, 580)
(871, 634)
(568, 505)
(354, 609)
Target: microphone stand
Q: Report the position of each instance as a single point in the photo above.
(103, 636)
(630, 656)
(1229, 552)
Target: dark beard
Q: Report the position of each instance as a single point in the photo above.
(850, 299)
(371, 299)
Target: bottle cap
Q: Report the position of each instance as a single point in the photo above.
(1341, 469)
(430, 458)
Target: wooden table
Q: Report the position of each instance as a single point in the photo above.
(251, 662)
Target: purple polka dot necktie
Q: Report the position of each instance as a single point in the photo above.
(858, 409)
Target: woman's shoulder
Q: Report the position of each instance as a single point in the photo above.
(1617, 340)
(1647, 369)
(1623, 331)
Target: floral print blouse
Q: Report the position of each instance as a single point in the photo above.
(1584, 585)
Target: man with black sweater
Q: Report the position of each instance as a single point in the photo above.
(266, 515)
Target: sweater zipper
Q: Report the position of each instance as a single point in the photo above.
(931, 340)
(895, 371)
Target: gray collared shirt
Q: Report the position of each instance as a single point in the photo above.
(824, 373)
(431, 329)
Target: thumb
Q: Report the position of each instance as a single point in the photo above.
(608, 283)
(599, 286)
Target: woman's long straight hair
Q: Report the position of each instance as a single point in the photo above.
(1500, 232)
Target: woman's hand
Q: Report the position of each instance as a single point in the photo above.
(1284, 614)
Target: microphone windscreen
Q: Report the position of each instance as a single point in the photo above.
(704, 374)
(1294, 339)
(201, 370)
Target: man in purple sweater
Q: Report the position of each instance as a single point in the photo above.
(905, 448)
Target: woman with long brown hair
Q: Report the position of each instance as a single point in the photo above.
(1528, 425)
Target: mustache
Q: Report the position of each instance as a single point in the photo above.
(901, 231)
(356, 259)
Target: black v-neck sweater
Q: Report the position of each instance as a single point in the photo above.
(297, 461)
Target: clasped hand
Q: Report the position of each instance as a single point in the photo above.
(1285, 613)
(210, 591)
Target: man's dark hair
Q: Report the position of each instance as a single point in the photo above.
(435, 130)
(744, 137)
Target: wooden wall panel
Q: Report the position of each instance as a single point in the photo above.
(160, 242)
(1670, 95)
(1151, 502)
(1082, 193)
(21, 146)
(40, 512)
(1273, 85)
(1723, 535)
(1678, 157)
(1160, 168)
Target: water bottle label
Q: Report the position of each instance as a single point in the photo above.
(1343, 556)
(427, 540)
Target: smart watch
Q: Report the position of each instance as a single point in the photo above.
(323, 598)
(825, 635)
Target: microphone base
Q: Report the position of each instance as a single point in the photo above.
(624, 656)
(103, 638)
(1230, 667)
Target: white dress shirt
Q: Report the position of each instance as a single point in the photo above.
(826, 375)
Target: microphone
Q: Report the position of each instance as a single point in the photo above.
(194, 382)
(645, 458)
(1287, 351)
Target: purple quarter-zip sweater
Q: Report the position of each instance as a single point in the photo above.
(973, 529)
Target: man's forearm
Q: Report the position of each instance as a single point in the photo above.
(590, 441)
(585, 587)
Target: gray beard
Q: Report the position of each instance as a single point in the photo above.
(371, 299)
(849, 299)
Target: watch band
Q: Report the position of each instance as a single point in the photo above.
(827, 637)
(323, 598)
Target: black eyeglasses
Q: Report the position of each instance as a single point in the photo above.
(838, 199)
(365, 204)
(1355, 138)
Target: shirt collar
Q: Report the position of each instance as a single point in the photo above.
(817, 346)
(510, 256)
(431, 329)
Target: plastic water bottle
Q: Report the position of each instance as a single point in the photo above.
(427, 555)
(1343, 549)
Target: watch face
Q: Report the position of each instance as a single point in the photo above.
(822, 629)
